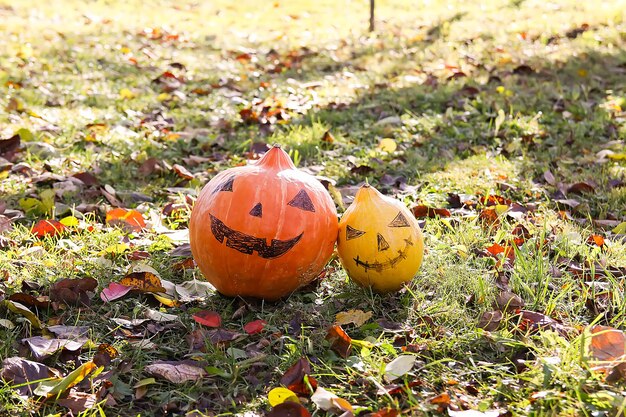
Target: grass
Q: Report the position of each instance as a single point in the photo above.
(480, 98)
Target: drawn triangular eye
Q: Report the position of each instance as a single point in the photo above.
(352, 233)
(302, 201)
(257, 210)
(399, 221)
(382, 243)
(225, 186)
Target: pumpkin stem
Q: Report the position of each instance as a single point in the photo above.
(276, 158)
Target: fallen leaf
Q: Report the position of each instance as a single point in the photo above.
(114, 291)
(288, 409)
(339, 341)
(328, 137)
(509, 301)
(130, 220)
(194, 290)
(208, 318)
(7, 324)
(421, 211)
(581, 188)
(280, 395)
(57, 387)
(254, 327)
(399, 367)
(596, 240)
(42, 347)
(9, 146)
(475, 413)
(387, 145)
(49, 227)
(24, 311)
(23, 373)
(490, 320)
(442, 399)
(607, 346)
(182, 172)
(218, 336)
(78, 401)
(489, 217)
(144, 281)
(328, 401)
(293, 378)
(159, 316)
(357, 317)
(176, 372)
(29, 300)
(73, 291)
(105, 354)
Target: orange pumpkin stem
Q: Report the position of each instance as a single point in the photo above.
(276, 159)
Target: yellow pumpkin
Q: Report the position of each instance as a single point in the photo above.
(380, 243)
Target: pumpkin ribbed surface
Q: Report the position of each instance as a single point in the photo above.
(380, 243)
(263, 230)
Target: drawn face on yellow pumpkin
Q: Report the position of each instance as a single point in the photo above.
(380, 243)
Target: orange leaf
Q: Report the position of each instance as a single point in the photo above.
(489, 217)
(144, 281)
(424, 211)
(47, 228)
(596, 240)
(339, 340)
(294, 377)
(386, 412)
(494, 200)
(125, 218)
(607, 344)
(495, 249)
(441, 399)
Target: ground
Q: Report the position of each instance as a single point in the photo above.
(501, 125)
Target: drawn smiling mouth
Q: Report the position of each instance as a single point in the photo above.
(248, 244)
(390, 263)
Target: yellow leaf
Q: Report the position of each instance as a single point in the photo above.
(501, 208)
(620, 228)
(116, 249)
(144, 281)
(126, 94)
(617, 156)
(280, 395)
(69, 221)
(358, 317)
(24, 311)
(163, 97)
(25, 51)
(387, 145)
(166, 300)
(341, 404)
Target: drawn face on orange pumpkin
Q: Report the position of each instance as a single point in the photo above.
(262, 230)
(248, 244)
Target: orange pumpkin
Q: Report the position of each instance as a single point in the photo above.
(263, 230)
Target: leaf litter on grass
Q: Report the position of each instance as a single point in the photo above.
(521, 211)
